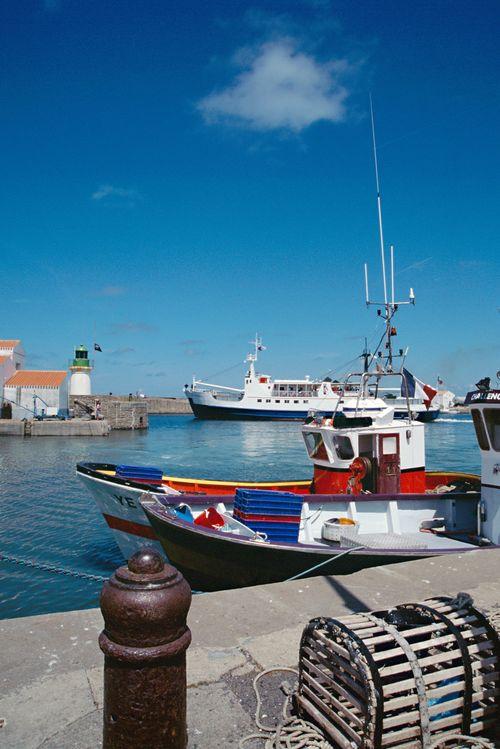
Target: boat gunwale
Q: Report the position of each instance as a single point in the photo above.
(104, 471)
(162, 516)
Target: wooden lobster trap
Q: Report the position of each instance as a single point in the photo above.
(403, 678)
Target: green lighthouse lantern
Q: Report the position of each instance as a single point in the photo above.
(81, 357)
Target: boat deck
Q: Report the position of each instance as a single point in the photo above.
(419, 540)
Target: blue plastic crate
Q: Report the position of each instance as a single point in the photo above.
(286, 532)
(259, 502)
(143, 472)
(272, 512)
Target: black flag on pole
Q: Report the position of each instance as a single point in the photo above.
(97, 347)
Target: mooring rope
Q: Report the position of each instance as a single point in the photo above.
(322, 564)
(466, 742)
(291, 732)
(50, 568)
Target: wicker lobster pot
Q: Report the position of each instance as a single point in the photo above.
(402, 678)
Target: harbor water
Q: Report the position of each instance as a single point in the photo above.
(49, 518)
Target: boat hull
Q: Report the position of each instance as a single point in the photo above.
(203, 411)
(423, 416)
(211, 560)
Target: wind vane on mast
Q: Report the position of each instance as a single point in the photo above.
(390, 307)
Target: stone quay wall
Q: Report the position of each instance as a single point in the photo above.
(155, 404)
(119, 412)
(168, 405)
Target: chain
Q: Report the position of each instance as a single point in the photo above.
(51, 568)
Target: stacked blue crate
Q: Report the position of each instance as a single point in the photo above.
(140, 474)
(277, 514)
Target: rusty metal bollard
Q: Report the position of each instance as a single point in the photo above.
(144, 641)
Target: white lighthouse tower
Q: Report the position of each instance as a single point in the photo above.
(80, 369)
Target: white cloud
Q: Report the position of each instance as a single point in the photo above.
(280, 87)
(108, 191)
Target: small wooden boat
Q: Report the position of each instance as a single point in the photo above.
(118, 498)
(392, 528)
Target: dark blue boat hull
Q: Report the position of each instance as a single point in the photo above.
(423, 416)
(215, 412)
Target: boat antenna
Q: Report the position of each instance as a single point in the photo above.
(258, 346)
(390, 307)
(379, 201)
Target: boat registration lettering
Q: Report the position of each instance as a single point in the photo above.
(125, 501)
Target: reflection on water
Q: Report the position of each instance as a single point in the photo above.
(48, 516)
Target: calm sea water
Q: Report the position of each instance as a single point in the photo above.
(47, 515)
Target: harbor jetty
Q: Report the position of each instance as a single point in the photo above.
(117, 412)
(154, 404)
(51, 692)
(54, 428)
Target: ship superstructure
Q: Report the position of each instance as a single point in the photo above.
(261, 397)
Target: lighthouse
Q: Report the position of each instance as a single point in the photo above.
(80, 369)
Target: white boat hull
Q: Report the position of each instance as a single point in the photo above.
(122, 511)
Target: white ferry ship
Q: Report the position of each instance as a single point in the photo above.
(261, 396)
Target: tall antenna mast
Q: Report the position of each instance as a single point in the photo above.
(390, 307)
(379, 202)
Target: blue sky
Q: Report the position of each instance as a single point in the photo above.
(177, 176)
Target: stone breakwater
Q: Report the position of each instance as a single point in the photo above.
(120, 413)
(154, 404)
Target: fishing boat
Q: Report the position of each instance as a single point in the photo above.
(355, 430)
(261, 397)
(117, 490)
(373, 504)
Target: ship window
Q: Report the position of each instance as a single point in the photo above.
(287, 401)
(480, 430)
(295, 401)
(343, 447)
(268, 400)
(315, 445)
(492, 419)
(259, 400)
(306, 401)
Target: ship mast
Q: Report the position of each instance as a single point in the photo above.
(253, 357)
(389, 307)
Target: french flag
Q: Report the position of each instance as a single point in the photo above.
(414, 388)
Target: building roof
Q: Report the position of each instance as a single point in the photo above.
(38, 378)
(9, 343)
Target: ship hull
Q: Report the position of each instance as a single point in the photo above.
(203, 411)
(423, 416)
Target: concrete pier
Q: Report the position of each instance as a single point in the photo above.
(54, 428)
(51, 666)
